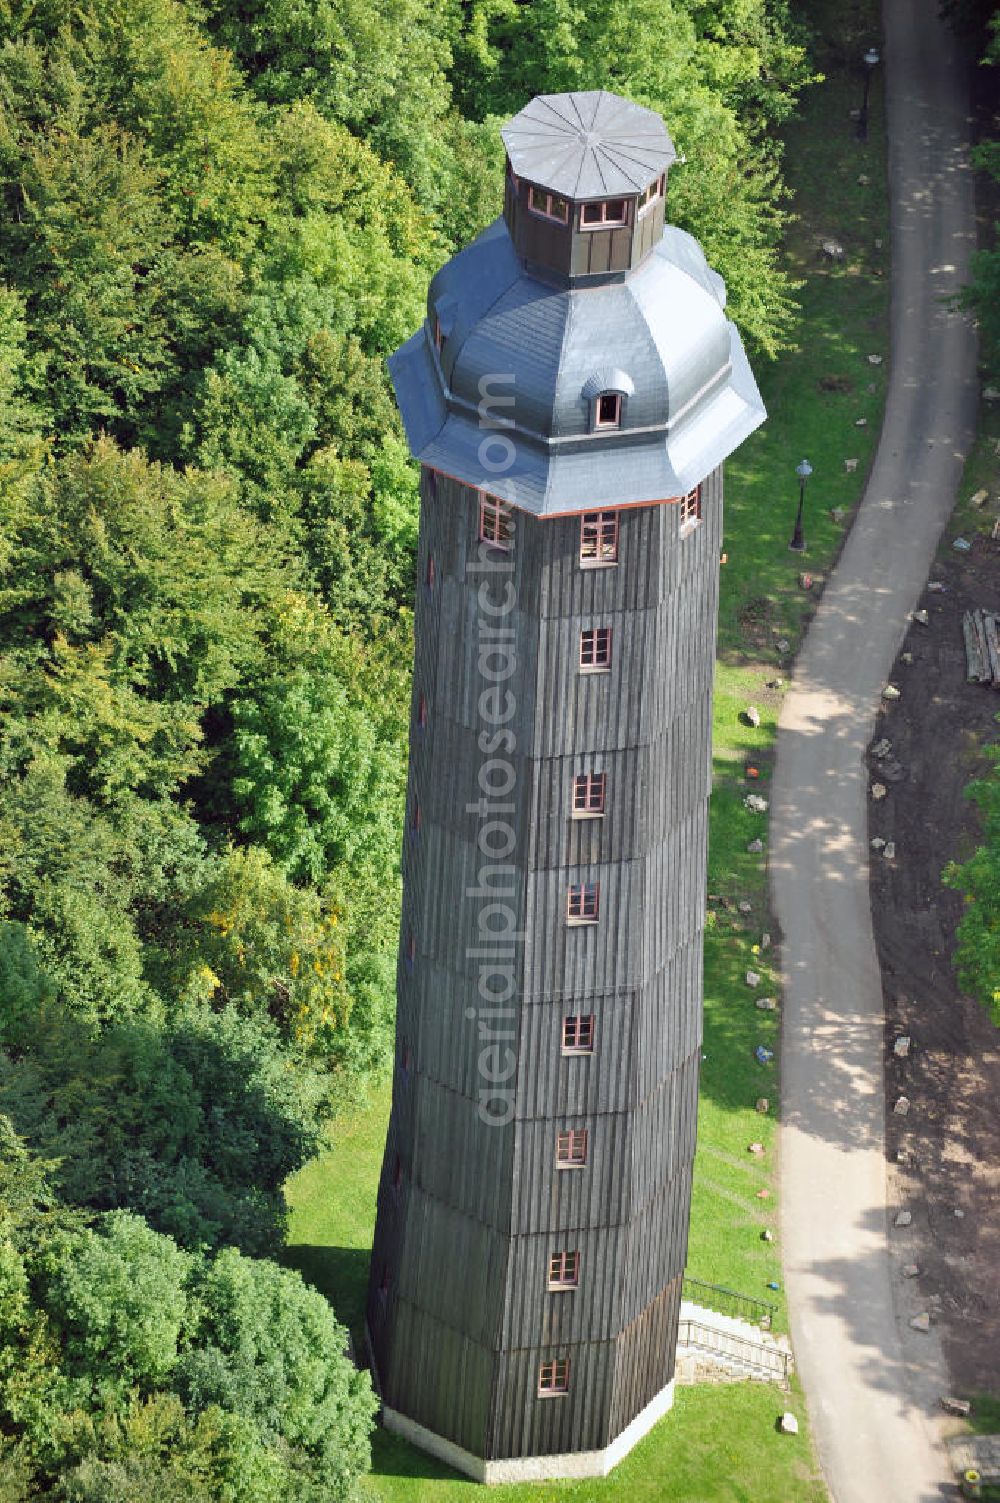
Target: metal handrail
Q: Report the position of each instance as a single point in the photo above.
(760, 1354)
(760, 1310)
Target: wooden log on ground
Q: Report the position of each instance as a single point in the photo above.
(973, 652)
(993, 646)
(984, 651)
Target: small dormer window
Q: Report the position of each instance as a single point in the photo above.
(549, 205)
(609, 410)
(609, 211)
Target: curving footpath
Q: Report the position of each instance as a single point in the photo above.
(872, 1384)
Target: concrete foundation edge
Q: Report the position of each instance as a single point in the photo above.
(566, 1464)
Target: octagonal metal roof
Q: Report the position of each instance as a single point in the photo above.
(590, 144)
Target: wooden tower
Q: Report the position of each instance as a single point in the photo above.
(571, 398)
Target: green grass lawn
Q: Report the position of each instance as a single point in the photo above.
(719, 1442)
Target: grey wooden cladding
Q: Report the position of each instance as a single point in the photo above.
(459, 1310)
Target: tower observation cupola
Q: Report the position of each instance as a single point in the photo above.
(586, 184)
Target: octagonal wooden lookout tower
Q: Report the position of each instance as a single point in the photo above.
(571, 399)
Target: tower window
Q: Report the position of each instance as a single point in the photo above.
(609, 410)
(588, 793)
(553, 1378)
(578, 1034)
(595, 648)
(598, 538)
(610, 211)
(548, 205)
(495, 526)
(564, 1270)
(583, 903)
(571, 1149)
(691, 509)
(651, 193)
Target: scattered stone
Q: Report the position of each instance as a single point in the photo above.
(755, 803)
(752, 772)
(890, 692)
(756, 1149)
(902, 1106)
(878, 844)
(753, 978)
(962, 545)
(763, 1055)
(902, 1154)
(879, 791)
(922, 617)
(764, 1194)
(767, 1235)
(882, 748)
(878, 245)
(762, 1105)
(744, 906)
(765, 940)
(959, 1214)
(752, 716)
(755, 847)
(861, 422)
(903, 1218)
(788, 1424)
(805, 581)
(838, 515)
(921, 1322)
(901, 1047)
(906, 657)
(991, 394)
(850, 465)
(766, 1004)
(890, 850)
(910, 1270)
(783, 644)
(874, 359)
(775, 683)
(951, 1405)
(937, 587)
(832, 249)
(980, 498)
(863, 180)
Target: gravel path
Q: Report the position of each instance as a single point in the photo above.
(872, 1383)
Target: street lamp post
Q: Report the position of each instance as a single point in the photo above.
(803, 470)
(871, 59)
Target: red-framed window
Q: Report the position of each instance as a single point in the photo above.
(571, 1148)
(564, 1270)
(691, 509)
(553, 1378)
(608, 413)
(495, 525)
(548, 205)
(610, 211)
(578, 1033)
(583, 903)
(598, 538)
(652, 192)
(588, 792)
(595, 647)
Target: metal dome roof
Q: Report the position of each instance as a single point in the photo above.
(538, 355)
(588, 145)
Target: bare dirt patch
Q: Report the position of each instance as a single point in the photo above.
(945, 1152)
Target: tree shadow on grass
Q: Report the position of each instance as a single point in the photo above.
(340, 1273)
